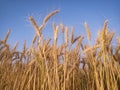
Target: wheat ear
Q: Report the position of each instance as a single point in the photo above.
(87, 31)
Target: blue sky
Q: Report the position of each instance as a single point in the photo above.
(14, 15)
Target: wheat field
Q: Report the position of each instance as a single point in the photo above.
(45, 65)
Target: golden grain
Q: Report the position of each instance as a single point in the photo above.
(61, 67)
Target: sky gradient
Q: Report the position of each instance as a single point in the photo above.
(14, 15)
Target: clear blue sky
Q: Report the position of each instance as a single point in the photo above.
(14, 15)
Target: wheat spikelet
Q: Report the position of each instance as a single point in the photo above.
(80, 41)
(15, 46)
(109, 37)
(77, 48)
(55, 28)
(48, 41)
(24, 48)
(35, 25)
(98, 38)
(87, 31)
(49, 16)
(56, 32)
(104, 30)
(66, 35)
(6, 37)
(41, 27)
(76, 38)
(72, 36)
(62, 27)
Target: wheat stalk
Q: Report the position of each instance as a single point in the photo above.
(34, 39)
